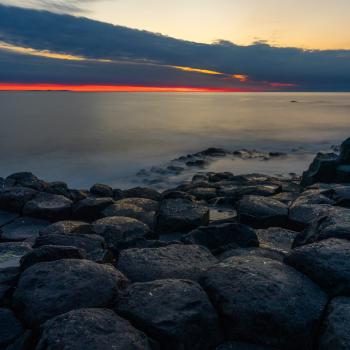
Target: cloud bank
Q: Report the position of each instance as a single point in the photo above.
(145, 57)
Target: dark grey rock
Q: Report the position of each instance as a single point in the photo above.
(49, 289)
(8, 281)
(264, 301)
(258, 190)
(94, 245)
(68, 228)
(90, 208)
(327, 263)
(342, 195)
(51, 253)
(344, 157)
(315, 196)
(22, 228)
(343, 174)
(100, 190)
(91, 329)
(262, 212)
(10, 328)
(142, 192)
(172, 194)
(181, 215)
(78, 195)
(119, 229)
(12, 252)
(218, 238)
(204, 193)
(59, 188)
(14, 198)
(23, 342)
(322, 169)
(268, 253)
(335, 333)
(118, 194)
(173, 261)
(286, 197)
(176, 313)
(7, 217)
(49, 206)
(26, 179)
(276, 238)
(223, 176)
(242, 346)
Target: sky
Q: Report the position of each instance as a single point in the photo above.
(226, 45)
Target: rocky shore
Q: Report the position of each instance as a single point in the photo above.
(222, 262)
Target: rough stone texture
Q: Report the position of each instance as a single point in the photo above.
(276, 238)
(51, 253)
(335, 223)
(142, 192)
(94, 245)
(176, 313)
(181, 215)
(26, 179)
(58, 187)
(344, 157)
(327, 263)
(335, 333)
(173, 261)
(118, 229)
(48, 206)
(22, 228)
(141, 209)
(51, 288)
(14, 198)
(242, 346)
(218, 238)
(7, 217)
(90, 208)
(10, 328)
(12, 252)
(315, 196)
(100, 190)
(91, 329)
(264, 301)
(268, 253)
(8, 280)
(68, 228)
(262, 212)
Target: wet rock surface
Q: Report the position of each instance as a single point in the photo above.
(216, 261)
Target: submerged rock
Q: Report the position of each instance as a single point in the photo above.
(176, 313)
(91, 329)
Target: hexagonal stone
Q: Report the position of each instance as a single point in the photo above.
(91, 329)
(14, 198)
(176, 313)
(327, 263)
(262, 212)
(49, 206)
(11, 253)
(49, 289)
(181, 215)
(265, 302)
(22, 228)
(173, 261)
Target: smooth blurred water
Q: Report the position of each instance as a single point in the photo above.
(83, 138)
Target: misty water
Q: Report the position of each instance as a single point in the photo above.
(84, 138)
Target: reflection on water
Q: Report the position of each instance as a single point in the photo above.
(106, 137)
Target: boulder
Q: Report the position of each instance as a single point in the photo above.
(7, 217)
(49, 289)
(68, 228)
(327, 263)
(258, 190)
(142, 192)
(12, 252)
(218, 238)
(49, 206)
(268, 253)
(322, 169)
(59, 188)
(100, 190)
(90, 208)
(265, 302)
(22, 228)
(204, 193)
(118, 229)
(344, 157)
(94, 245)
(181, 215)
(286, 197)
(276, 238)
(91, 329)
(262, 212)
(335, 333)
(8, 281)
(343, 174)
(173, 261)
(51, 253)
(25, 179)
(176, 313)
(10, 328)
(341, 195)
(14, 198)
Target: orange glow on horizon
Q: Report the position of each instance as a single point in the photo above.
(114, 88)
(198, 70)
(241, 77)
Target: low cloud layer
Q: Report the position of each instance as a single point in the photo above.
(41, 30)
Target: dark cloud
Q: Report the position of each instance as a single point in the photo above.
(311, 70)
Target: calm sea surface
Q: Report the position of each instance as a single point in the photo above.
(83, 138)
